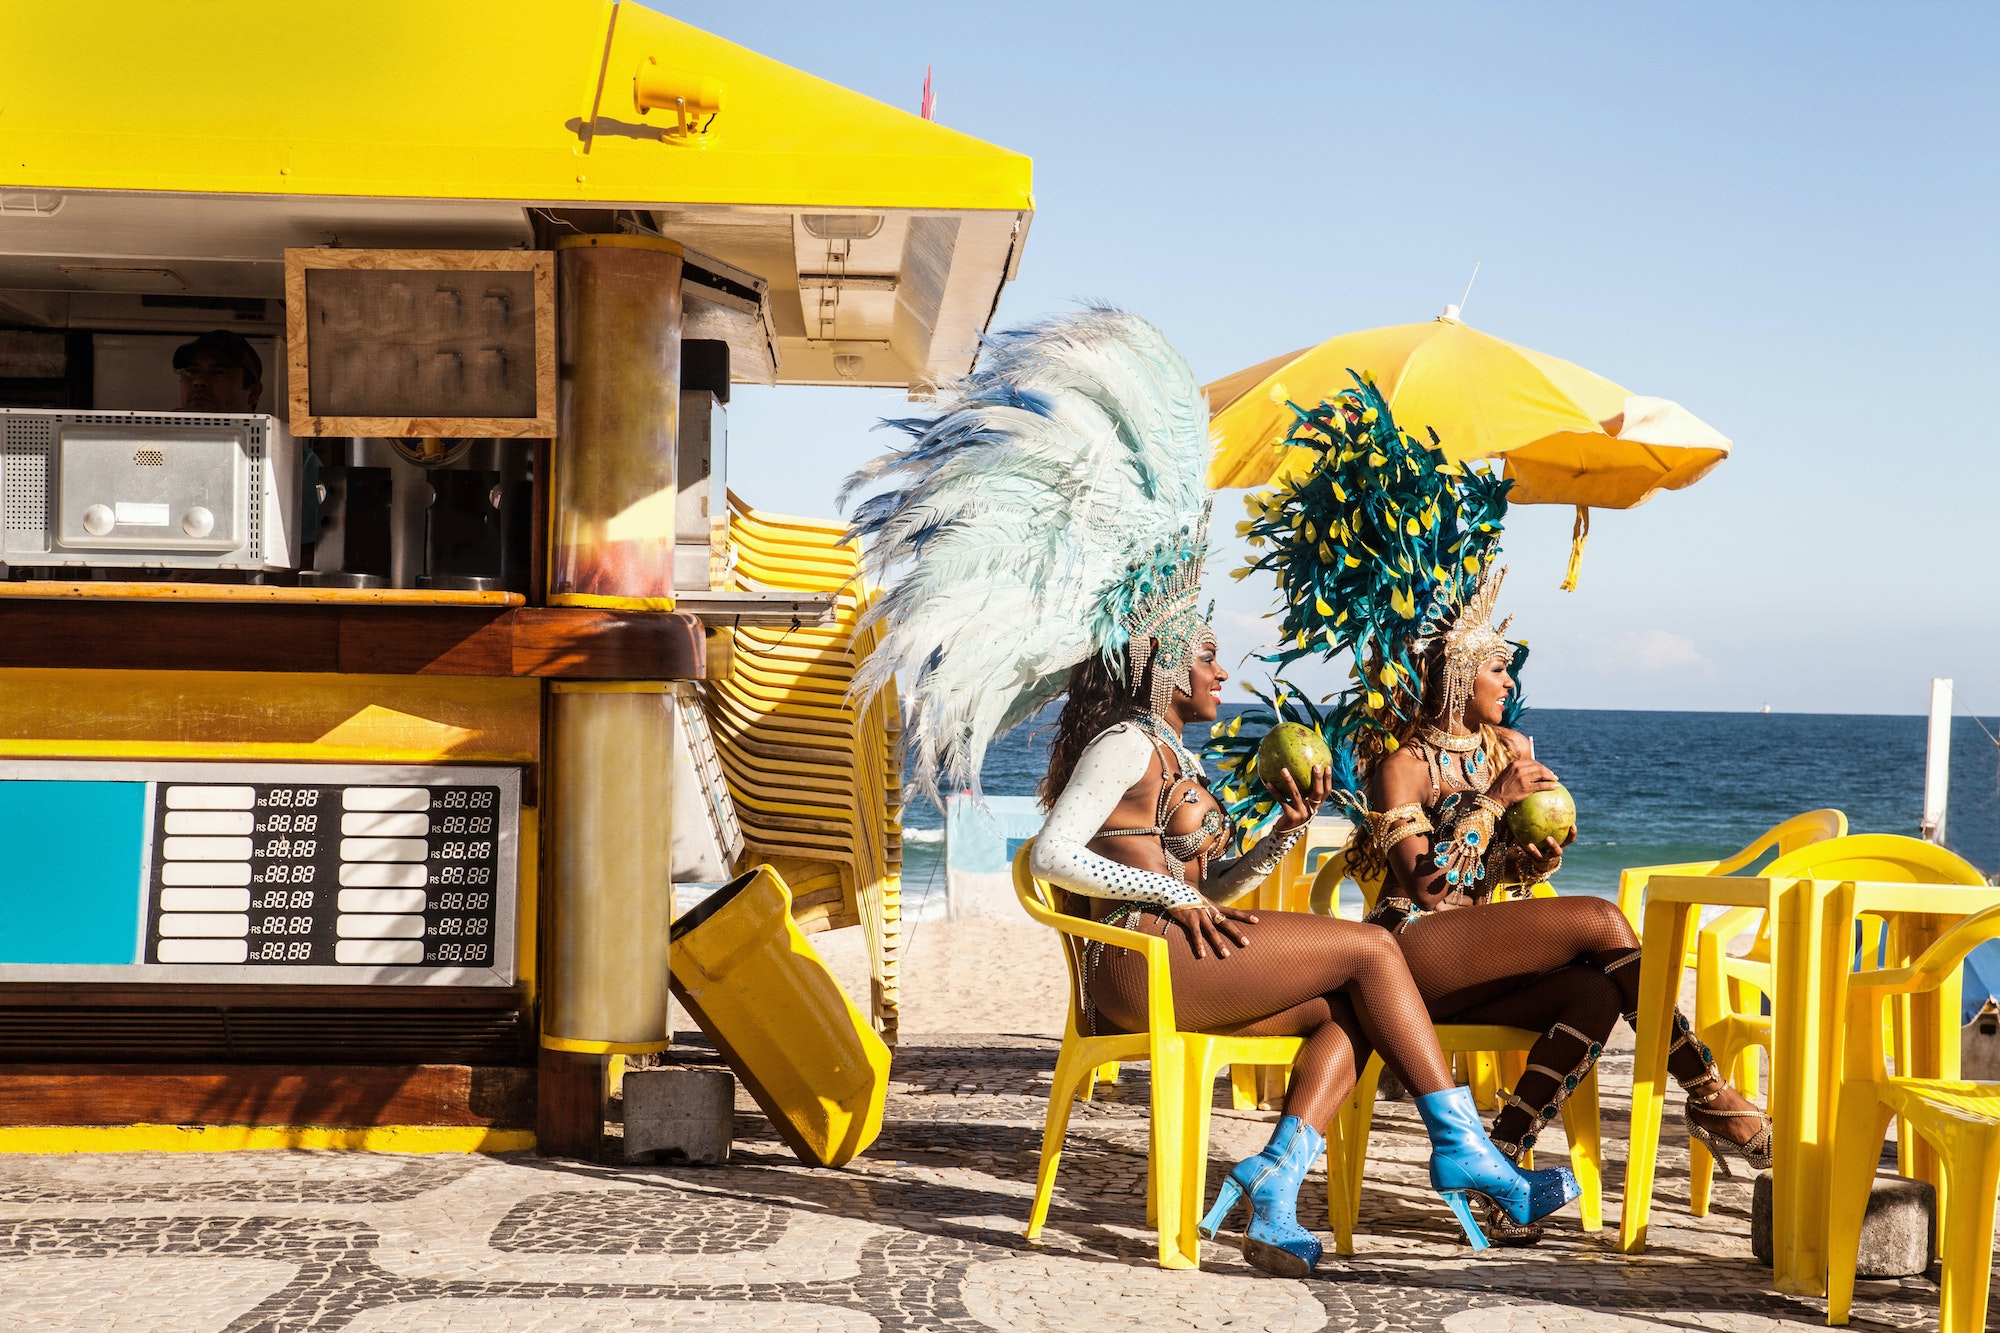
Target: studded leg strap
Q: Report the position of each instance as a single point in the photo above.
(1522, 1117)
(1688, 1059)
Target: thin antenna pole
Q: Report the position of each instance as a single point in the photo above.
(1468, 292)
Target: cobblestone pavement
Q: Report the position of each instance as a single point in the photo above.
(924, 1232)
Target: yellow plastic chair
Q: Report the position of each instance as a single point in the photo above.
(1185, 1065)
(1798, 831)
(1485, 1072)
(1727, 1015)
(1324, 898)
(1960, 1119)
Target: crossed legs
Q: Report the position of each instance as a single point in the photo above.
(1341, 985)
(1567, 968)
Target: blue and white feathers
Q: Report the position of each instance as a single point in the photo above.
(1016, 532)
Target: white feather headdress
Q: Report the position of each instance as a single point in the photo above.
(1054, 501)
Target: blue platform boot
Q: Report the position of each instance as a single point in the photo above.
(1465, 1165)
(1274, 1241)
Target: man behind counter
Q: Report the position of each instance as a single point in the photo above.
(220, 372)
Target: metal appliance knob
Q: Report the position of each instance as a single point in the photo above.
(98, 520)
(198, 523)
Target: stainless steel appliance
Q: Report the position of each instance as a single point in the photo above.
(132, 490)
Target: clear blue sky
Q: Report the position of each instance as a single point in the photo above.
(1783, 216)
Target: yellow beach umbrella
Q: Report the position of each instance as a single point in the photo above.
(1565, 435)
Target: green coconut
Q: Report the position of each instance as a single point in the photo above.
(1291, 747)
(1542, 814)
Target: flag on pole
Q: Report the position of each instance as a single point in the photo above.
(929, 108)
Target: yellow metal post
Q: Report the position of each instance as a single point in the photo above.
(610, 861)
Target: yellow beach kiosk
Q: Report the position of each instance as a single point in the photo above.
(366, 560)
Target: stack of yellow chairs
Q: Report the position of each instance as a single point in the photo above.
(817, 782)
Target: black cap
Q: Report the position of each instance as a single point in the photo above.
(229, 349)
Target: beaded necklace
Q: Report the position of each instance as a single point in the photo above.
(1456, 762)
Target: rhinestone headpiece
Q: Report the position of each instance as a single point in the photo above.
(1165, 624)
(1470, 641)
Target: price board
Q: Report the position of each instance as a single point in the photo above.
(298, 873)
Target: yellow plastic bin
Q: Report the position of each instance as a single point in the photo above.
(745, 972)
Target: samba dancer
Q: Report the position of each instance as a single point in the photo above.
(1386, 554)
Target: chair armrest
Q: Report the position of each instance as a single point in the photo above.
(1640, 874)
(1732, 923)
(1087, 929)
(1159, 974)
(1153, 948)
(1632, 883)
(1723, 929)
(1934, 968)
(1868, 991)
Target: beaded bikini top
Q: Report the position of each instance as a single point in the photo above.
(1460, 772)
(1179, 786)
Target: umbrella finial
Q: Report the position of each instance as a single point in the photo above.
(1450, 315)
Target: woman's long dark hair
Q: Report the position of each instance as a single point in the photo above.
(1097, 698)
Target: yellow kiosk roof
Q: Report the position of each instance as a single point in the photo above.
(528, 103)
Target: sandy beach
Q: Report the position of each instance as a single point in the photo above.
(965, 976)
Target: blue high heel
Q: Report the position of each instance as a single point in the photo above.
(1274, 1241)
(1465, 1166)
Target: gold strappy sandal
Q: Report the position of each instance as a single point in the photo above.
(1504, 1230)
(1757, 1152)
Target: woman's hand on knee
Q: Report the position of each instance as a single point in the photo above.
(1212, 928)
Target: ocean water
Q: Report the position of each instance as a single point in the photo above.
(1654, 787)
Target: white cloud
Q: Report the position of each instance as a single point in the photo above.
(1649, 651)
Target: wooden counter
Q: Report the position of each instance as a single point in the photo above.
(365, 637)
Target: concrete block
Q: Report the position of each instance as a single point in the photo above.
(679, 1115)
(1898, 1232)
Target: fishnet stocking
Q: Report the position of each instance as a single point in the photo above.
(1340, 984)
(1535, 963)
(1574, 1008)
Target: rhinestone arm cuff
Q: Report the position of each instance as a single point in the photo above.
(1236, 877)
(1395, 824)
(1465, 849)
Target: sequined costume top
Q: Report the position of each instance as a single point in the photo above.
(1470, 841)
